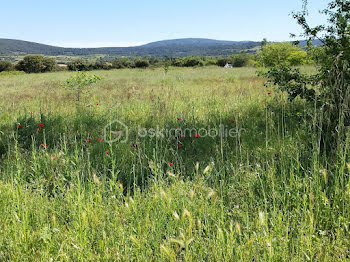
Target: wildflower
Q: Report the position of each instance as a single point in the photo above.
(41, 125)
(89, 141)
(38, 130)
(107, 153)
(232, 121)
(19, 126)
(179, 146)
(99, 140)
(179, 118)
(134, 145)
(170, 164)
(269, 93)
(97, 104)
(53, 158)
(196, 135)
(183, 136)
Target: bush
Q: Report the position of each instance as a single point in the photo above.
(240, 60)
(222, 62)
(49, 64)
(141, 63)
(281, 54)
(122, 63)
(6, 66)
(79, 65)
(192, 61)
(36, 64)
(331, 79)
(103, 65)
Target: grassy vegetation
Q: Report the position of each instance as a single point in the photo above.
(266, 194)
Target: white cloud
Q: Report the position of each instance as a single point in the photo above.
(94, 44)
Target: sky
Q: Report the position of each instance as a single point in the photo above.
(86, 23)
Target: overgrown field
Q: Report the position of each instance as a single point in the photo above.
(263, 192)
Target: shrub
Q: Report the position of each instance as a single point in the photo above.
(49, 64)
(79, 83)
(281, 54)
(222, 62)
(122, 63)
(79, 65)
(332, 79)
(192, 61)
(240, 60)
(36, 64)
(141, 63)
(6, 66)
(102, 65)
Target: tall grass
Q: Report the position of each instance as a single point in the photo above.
(267, 194)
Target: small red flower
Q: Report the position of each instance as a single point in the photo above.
(134, 145)
(269, 93)
(100, 140)
(38, 130)
(53, 158)
(107, 153)
(179, 146)
(97, 104)
(196, 135)
(89, 140)
(19, 126)
(170, 164)
(232, 121)
(41, 125)
(179, 118)
(183, 136)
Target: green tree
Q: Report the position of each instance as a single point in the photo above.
(49, 64)
(141, 63)
(281, 54)
(239, 60)
(121, 63)
(6, 66)
(36, 64)
(80, 82)
(79, 65)
(332, 80)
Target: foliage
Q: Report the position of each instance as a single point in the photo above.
(6, 66)
(79, 83)
(122, 63)
(285, 54)
(36, 64)
(79, 65)
(102, 65)
(142, 63)
(332, 80)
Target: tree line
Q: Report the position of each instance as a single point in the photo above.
(270, 54)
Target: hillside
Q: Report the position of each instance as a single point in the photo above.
(173, 48)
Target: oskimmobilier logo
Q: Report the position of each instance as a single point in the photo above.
(117, 131)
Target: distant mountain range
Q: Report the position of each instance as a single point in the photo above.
(170, 48)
